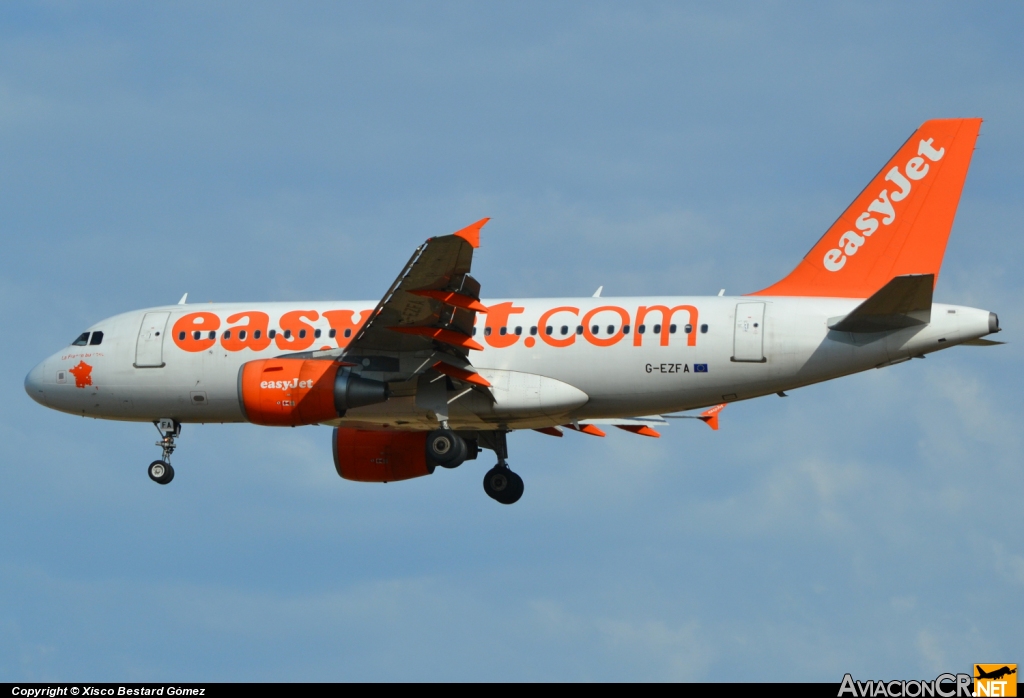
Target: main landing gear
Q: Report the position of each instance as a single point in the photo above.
(448, 449)
(500, 483)
(160, 471)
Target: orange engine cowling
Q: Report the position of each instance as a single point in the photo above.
(292, 392)
(380, 456)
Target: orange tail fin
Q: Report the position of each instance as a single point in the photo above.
(900, 222)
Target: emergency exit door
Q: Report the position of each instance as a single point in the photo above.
(149, 349)
(748, 339)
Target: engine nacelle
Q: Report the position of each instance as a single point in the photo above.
(293, 392)
(380, 456)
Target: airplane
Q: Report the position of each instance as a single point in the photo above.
(432, 373)
(995, 674)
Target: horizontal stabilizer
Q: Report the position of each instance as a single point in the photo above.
(903, 302)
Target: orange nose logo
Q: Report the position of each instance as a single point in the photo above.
(82, 373)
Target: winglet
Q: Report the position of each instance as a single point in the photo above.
(710, 416)
(471, 233)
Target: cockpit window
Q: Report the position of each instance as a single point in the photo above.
(82, 340)
(97, 338)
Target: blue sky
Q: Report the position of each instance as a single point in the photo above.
(255, 151)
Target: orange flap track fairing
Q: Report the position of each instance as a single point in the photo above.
(461, 374)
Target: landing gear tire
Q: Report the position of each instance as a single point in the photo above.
(502, 485)
(161, 472)
(446, 448)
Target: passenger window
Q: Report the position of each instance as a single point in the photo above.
(97, 338)
(503, 331)
(83, 339)
(594, 329)
(272, 333)
(641, 329)
(348, 333)
(547, 330)
(519, 331)
(332, 334)
(579, 329)
(213, 334)
(625, 329)
(487, 332)
(302, 334)
(688, 329)
(241, 334)
(657, 329)
(287, 334)
(611, 329)
(256, 334)
(227, 334)
(533, 330)
(671, 329)
(474, 332)
(703, 329)
(316, 334)
(565, 329)
(197, 334)
(181, 337)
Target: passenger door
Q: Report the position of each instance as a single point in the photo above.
(149, 349)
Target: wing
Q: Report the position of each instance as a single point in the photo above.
(425, 321)
(432, 304)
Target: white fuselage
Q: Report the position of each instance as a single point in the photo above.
(538, 379)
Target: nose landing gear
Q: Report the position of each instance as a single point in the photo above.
(160, 471)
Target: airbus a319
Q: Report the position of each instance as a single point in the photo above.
(432, 373)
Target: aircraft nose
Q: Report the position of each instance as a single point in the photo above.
(34, 384)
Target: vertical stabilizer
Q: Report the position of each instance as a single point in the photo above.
(898, 225)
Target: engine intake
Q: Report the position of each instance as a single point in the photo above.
(293, 392)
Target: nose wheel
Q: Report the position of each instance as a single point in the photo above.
(160, 471)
